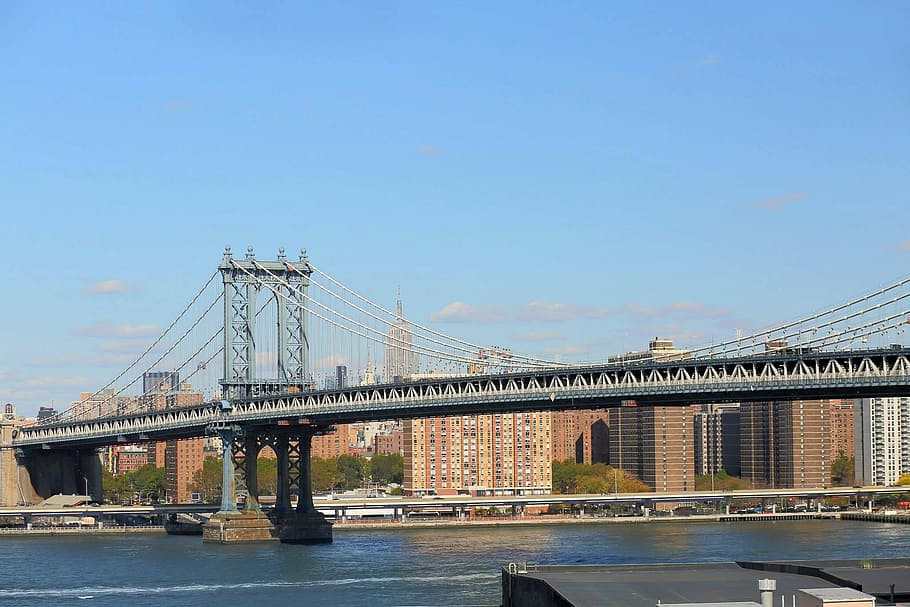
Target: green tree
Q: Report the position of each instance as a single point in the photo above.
(721, 482)
(207, 480)
(842, 470)
(149, 482)
(570, 477)
(350, 469)
(904, 479)
(387, 469)
(116, 488)
(267, 476)
(324, 473)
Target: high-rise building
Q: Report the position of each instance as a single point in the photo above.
(502, 454)
(843, 437)
(106, 402)
(400, 359)
(581, 436)
(160, 381)
(656, 444)
(341, 377)
(332, 444)
(46, 413)
(882, 430)
(127, 458)
(786, 443)
(182, 458)
(717, 439)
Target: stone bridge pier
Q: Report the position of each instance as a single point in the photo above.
(241, 446)
(28, 476)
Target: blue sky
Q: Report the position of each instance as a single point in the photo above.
(567, 179)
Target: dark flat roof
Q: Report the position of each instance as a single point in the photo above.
(646, 585)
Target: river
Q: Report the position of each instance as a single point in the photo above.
(391, 567)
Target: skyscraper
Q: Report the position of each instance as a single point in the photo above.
(882, 431)
(160, 381)
(400, 359)
(786, 443)
(494, 454)
(656, 444)
(341, 377)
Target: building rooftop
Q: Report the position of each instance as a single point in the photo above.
(702, 583)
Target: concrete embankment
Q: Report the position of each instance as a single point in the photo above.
(877, 517)
(18, 531)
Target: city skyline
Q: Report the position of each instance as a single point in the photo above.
(722, 165)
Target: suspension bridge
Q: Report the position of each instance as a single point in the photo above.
(278, 351)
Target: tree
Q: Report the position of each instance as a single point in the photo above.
(324, 473)
(904, 479)
(267, 476)
(387, 469)
(149, 482)
(350, 469)
(207, 481)
(721, 482)
(842, 470)
(570, 477)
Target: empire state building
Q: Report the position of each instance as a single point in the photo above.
(400, 359)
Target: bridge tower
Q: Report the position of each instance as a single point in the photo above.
(286, 282)
(243, 282)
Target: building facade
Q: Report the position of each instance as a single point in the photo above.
(717, 439)
(581, 436)
(656, 444)
(882, 434)
(400, 359)
(786, 444)
(503, 454)
(182, 458)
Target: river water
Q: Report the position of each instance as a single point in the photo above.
(391, 567)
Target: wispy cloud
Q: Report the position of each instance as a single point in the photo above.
(773, 204)
(904, 246)
(83, 360)
(459, 311)
(535, 311)
(429, 150)
(707, 61)
(539, 336)
(13, 395)
(53, 382)
(176, 106)
(686, 309)
(106, 329)
(110, 287)
(567, 350)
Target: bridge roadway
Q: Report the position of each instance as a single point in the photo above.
(406, 504)
(781, 375)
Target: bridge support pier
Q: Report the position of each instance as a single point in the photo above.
(30, 476)
(229, 525)
(305, 524)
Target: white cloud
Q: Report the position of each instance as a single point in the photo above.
(53, 382)
(535, 311)
(459, 311)
(539, 336)
(688, 309)
(106, 329)
(110, 287)
(774, 204)
(567, 350)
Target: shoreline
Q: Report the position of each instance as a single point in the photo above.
(361, 524)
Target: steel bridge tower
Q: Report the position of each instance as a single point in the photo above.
(290, 439)
(287, 284)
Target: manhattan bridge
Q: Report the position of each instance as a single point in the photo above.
(256, 356)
